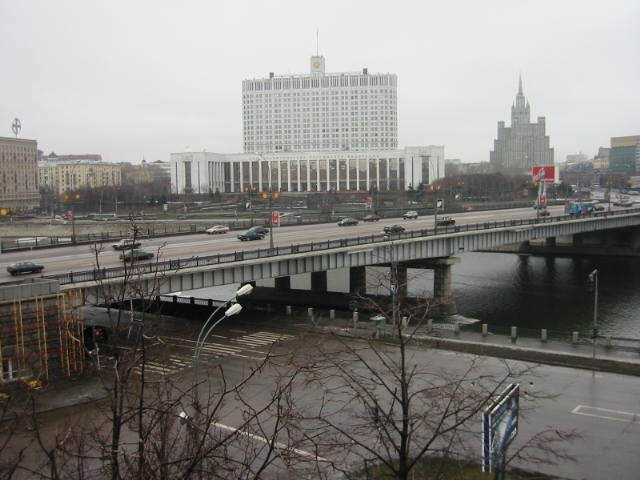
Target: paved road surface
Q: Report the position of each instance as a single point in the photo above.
(605, 408)
(79, 258)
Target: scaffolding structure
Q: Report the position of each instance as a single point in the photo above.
(41, 338)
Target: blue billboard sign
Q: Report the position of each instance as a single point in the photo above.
(499, 427)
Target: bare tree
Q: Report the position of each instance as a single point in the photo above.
(155, 426)
(384, 410)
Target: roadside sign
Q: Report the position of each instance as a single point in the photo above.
(546, 174)
(440, 203)
(499, 427)
(275, 218)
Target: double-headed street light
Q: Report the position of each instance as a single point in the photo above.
(234, 309)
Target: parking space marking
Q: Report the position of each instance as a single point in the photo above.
(606, 414)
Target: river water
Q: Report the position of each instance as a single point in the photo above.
(526, 291)
(549, 292)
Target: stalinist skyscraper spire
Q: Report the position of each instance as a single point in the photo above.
(520, 111)
(524, 144)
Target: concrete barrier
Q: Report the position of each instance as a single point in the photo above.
(533, 355)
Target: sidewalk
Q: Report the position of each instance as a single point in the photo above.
(615, 358)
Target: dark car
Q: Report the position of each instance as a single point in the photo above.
(24, 267)
(251, 235)
(108, 328)
(259, 229)
(347, 222)
(371, 218)
(393, 228)
(131, 255)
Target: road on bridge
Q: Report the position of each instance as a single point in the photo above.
(82, 257)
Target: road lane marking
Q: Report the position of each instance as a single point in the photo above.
(277, 445)
(607, 414)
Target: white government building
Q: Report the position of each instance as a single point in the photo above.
(313, 133)
(205, 172)
(320, 112)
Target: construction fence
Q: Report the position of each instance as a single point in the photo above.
(40, 338)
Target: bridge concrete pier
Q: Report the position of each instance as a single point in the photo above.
(283, 283)
(550, 242)
(443, 303)
(402, 280)
(635, 239)
(319, 281)
(358, 280)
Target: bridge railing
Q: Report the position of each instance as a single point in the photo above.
(173, 265)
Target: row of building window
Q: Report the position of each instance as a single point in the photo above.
(319, 82)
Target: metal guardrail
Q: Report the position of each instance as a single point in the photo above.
(160, 267)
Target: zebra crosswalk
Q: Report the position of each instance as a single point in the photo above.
(261, 339)
(182, 350)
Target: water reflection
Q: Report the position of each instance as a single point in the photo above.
(538, 292)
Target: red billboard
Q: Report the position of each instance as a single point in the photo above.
(546, 173)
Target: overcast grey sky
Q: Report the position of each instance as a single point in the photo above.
(131, 78)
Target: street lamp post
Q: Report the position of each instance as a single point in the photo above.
(270, 217)
(593, 281)
(234, 309)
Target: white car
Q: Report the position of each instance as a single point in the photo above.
(217, 229)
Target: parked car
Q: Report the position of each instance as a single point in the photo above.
(217, 230)
(347, 222)
(410, 215)
(445, 221)
(259, 229)
(131, 255)
(251, 235)
(371, 218)
(393, 228)
(24, 267)
(126, 243)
